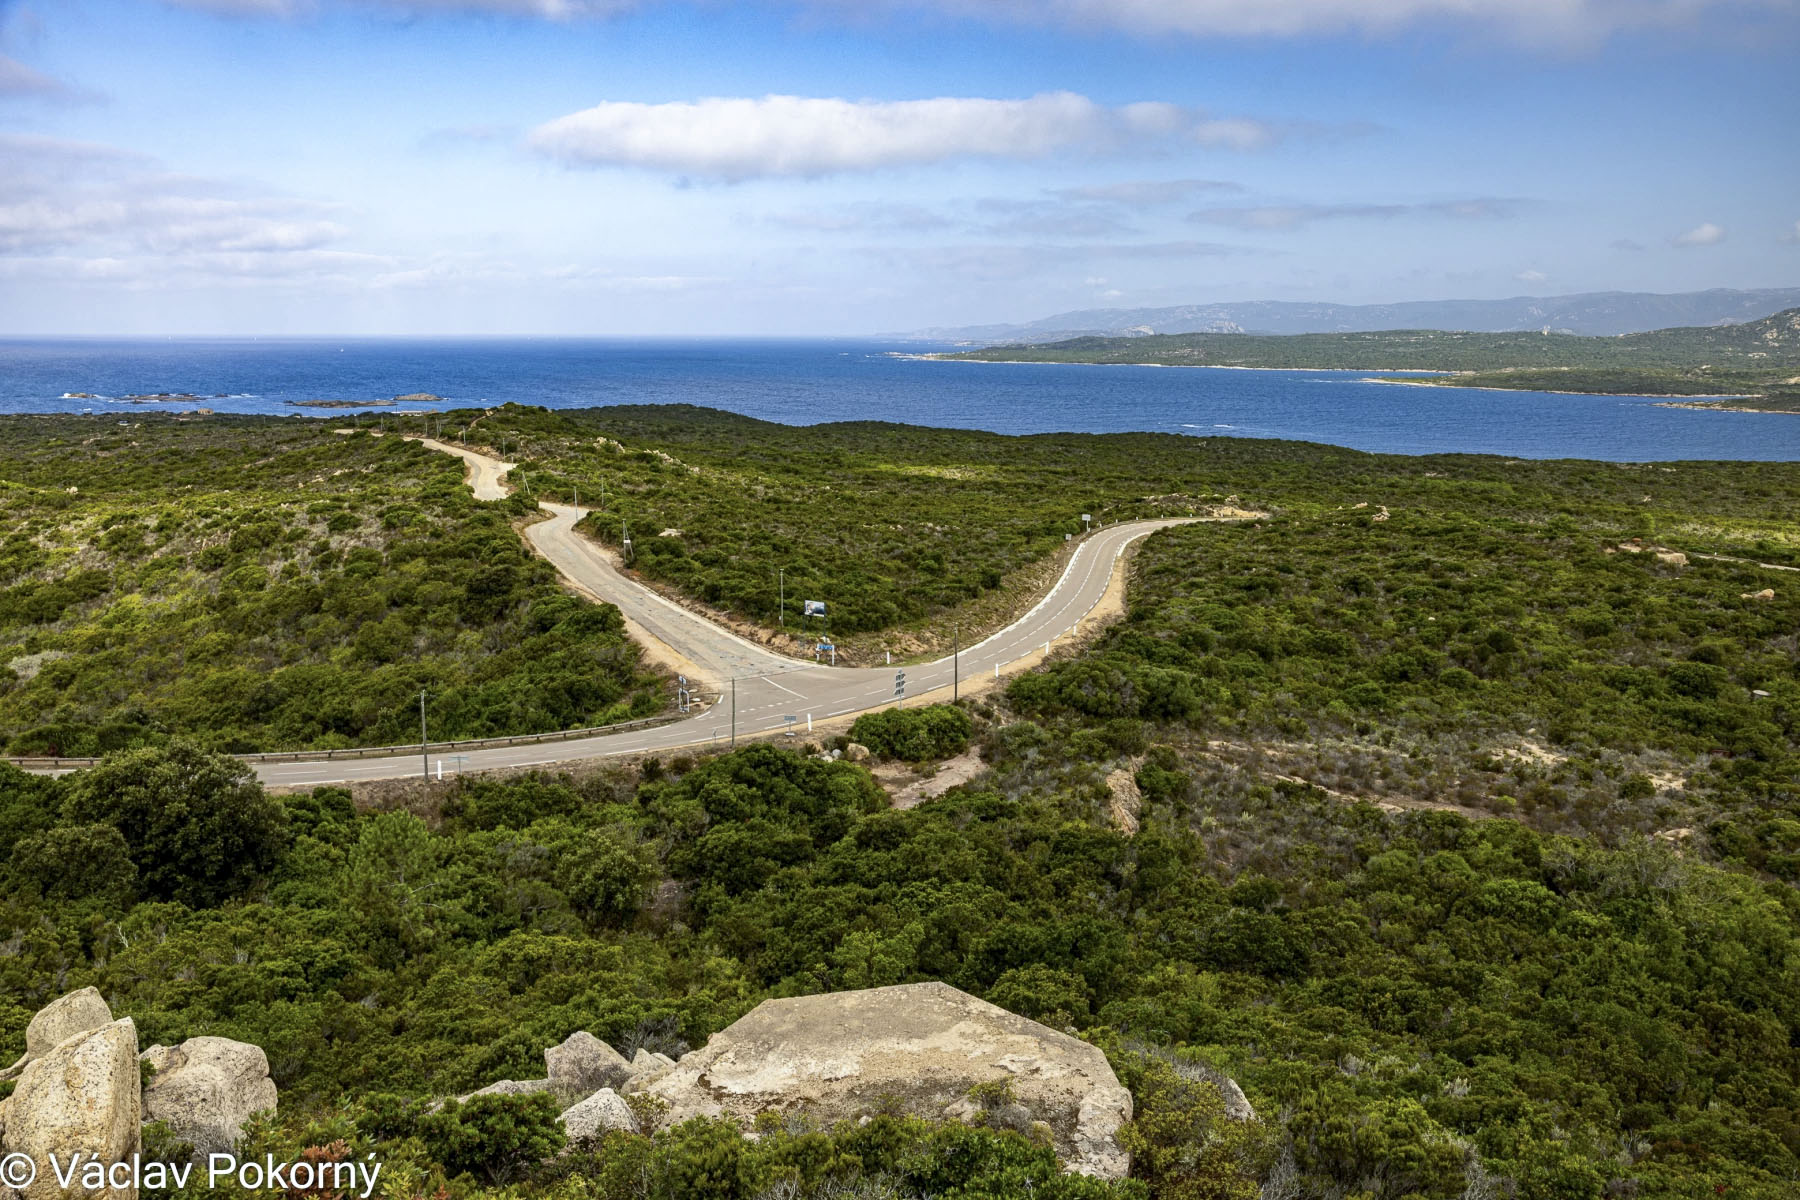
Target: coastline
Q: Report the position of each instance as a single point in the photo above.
(1699, 401)
(1038, 362)
(1482, 387)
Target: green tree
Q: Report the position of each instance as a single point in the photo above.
(75, 862)
(200, 827)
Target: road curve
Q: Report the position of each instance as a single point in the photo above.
(768, 687)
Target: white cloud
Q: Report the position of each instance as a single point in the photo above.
(734, 139)
(1146, 193)
(1541, 21)
(1532, 276)
(17, 79)
(1703, 234)
(549, 10)
(1269, 218)
(995, 262)
(863, 217)
(1548, 22)
(102, 202)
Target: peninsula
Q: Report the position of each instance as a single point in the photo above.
(1753, 365)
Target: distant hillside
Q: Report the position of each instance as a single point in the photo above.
(1757, 359)
(1770, 342)
(1597, 313)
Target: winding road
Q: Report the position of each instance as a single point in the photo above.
(753, 690)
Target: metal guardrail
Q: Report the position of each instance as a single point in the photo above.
(47, 763)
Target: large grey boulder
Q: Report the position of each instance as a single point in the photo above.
(58, 1021)
(80, 1096)
(206, 1088)
(925, 1045)
(584, 1064)
(604, 1110)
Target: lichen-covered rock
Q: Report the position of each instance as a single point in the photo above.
(856, 752)
(60, 1020)
(206, 1088)
(79, 1096)
(604, 1110)
(924, 1046)
(1237, 1105)
(584, 1064)
(511, 1087)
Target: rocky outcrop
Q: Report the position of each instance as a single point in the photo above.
(925, 1046)
(1237, 1105)
(79, 1096)
(856, 752)
(582, 1065)
(206, 1088)
(1124, 800)
(511, 1087)
(58, 1021)
(601, 1112)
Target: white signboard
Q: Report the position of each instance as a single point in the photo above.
(815, 608)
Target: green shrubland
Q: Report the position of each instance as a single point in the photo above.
(1464, 839)
(264, 584)
(1414, 1002)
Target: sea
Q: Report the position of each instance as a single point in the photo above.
(807, 382)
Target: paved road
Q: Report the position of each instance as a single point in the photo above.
(769, 687)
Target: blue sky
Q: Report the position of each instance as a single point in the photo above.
(837, 167)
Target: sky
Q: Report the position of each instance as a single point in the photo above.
(850, 167)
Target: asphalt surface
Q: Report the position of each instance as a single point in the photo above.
(746, 690)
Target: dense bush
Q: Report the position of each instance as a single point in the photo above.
(922, 734)
(253, 584)
(1414, 1002)
(198, 827)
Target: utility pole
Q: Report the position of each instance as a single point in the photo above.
(424, 741)
(734, 712)
(781, 585)
(955, 662)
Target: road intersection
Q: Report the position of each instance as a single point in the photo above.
(753, 690)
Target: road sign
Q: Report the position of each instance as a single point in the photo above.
(899, 683)
(792, 720)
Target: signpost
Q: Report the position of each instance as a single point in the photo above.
(900, 688)
(792, 719)
(1087, 521)
(825, 647)
(684, 699)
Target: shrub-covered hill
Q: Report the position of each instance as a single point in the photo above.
(901, 528)
(1511, 666)
(1767, 343)
(1422, 1007)
(262, 584)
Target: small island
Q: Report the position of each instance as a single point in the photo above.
(340, 403)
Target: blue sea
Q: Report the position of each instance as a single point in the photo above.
(805, 382)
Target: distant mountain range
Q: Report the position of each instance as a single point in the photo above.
(1594, 313)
